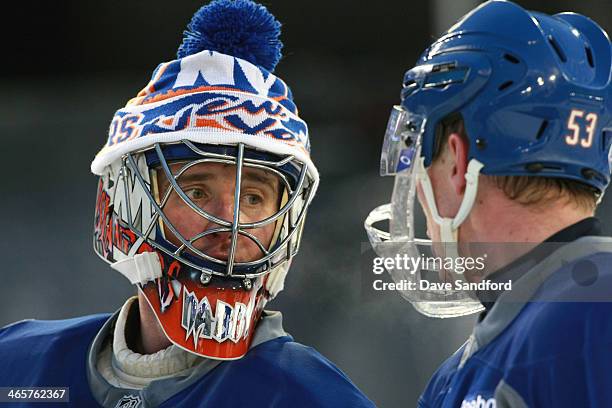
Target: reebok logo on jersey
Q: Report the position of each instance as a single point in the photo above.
(479, 402)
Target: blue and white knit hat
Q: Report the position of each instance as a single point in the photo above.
(220, 90)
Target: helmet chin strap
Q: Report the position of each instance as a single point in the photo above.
(449, 227)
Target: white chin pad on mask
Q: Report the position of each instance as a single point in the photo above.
(140, 268)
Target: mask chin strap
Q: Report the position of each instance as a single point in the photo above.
(140, 268)
(449, 227)
(276, 279)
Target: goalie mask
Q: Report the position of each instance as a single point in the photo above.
(533, 92)
(205, 181)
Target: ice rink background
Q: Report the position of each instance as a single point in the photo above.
(64, 75)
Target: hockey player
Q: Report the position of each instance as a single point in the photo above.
(205, 180)
(504, 136)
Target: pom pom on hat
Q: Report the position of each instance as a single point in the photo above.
(240, 28)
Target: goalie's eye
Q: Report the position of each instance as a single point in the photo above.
(195, 194)
(252, 199)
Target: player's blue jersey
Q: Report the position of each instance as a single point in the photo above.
(545, 343)
(276, 373)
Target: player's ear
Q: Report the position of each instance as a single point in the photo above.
(458, 152)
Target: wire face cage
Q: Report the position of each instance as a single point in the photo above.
(144, 184)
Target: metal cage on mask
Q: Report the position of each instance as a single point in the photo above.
(205, 305)
(135, 177)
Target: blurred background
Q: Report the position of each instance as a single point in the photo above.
(71, 64)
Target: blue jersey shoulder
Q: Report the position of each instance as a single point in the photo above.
(440, 381)
(31, 349)
(41, 336)
(568, 330)
(565, 329)
(277, 373)
(570, 311)
(30, 328)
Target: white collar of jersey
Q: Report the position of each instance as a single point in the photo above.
(166, 362)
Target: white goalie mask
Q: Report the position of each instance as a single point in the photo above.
(207, 232)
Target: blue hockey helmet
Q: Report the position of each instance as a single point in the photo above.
(533, 91)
